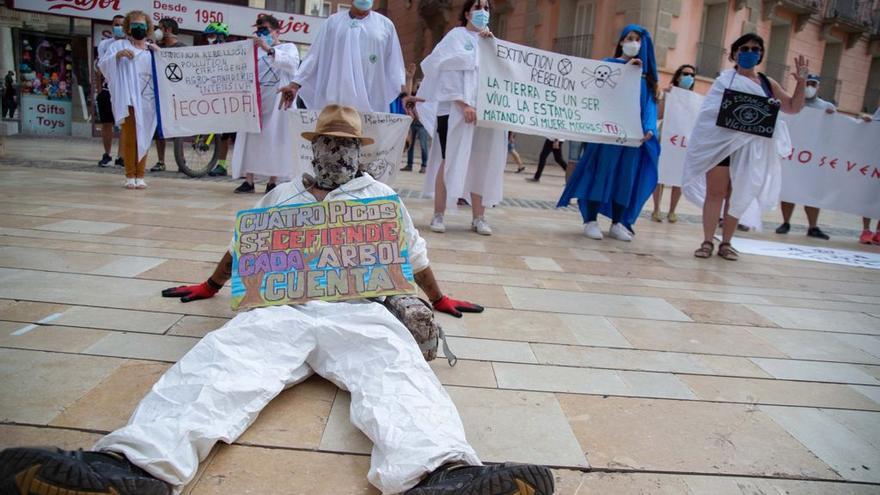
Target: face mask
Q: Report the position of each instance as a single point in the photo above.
(157, 35)
(336, 160)
(363, 4)
(631, 48)
(138, 31)
(267, 38)
(810, 92)
(480, 19)
(118, 32)
(686, 82)
(211, 40)
(747, 60)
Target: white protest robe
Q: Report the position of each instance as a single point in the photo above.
(270, 152)
(475, 156)
(755, 165)
(131, 85)
(353, 62)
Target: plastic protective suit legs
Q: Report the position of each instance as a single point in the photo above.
(219, 387)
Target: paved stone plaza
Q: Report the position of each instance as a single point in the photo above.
(629, 368)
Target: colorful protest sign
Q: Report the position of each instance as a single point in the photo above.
(533, 91)
(207, 89)
(679, 118)
(329, 251)
(379, 159)
(834, 164)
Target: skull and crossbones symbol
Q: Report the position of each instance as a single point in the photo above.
(602, 75)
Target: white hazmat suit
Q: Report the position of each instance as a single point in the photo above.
(220, 386)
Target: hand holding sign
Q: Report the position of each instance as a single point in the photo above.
(124, 54)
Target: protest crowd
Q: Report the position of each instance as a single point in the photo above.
(355, 70)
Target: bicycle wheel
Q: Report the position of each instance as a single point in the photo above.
(196, 155)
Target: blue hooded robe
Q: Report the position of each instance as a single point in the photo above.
(609, 173)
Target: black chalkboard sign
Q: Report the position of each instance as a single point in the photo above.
(745, 112)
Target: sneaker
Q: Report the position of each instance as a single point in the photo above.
(867, 237)
(481, 226)
(437, 224)
(407, 168)
(270, 186)
(119, 162)
(129, 183)
(33, 470)
(520, 169)
(217, 171)
(422, 169)
(498, 479)
(784, 228)
(532, 179)
(245, 187)
(591, 230)
(817, 233)
(655, 216)
(158, 167)
(619, 232)
(105, 161)
(672, 217)
(140, 184)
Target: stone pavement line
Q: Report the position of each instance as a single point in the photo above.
(707, 398)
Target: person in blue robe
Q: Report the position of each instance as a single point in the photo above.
(615, 180)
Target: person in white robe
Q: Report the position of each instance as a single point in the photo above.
(743, 169)
(127, 65)
(464, 159)
(270, 152)
(355, 61)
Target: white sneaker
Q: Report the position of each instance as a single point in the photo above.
(437, 224)
(140, 184)
(591, 230)
(129, 184)
(619, 232)
(481, 226)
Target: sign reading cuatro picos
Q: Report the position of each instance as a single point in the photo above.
(533, 91)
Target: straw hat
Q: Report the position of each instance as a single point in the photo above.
(340, 121)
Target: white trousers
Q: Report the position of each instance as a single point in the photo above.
(219, 387)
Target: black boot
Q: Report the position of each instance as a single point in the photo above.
(35, 470)
(498, 479)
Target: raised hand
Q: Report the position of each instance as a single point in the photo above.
(801, 68)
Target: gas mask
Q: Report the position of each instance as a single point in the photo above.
(336, 160)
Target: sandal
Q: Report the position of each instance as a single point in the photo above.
(705, 250)
(726, 251)
(655, 216)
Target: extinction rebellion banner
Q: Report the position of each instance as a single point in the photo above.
(533, 91)
(834, 165)
(207, 89)
(379, 159)
(329, 251)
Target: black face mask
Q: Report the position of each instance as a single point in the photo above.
(138, 32)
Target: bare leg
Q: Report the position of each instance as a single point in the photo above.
(518, 160)
(673, 200)
(812, 215)
(273, 179)
(477, 207)
(787, 210)
(249, 178)
(107, 137)
(658, 197)
(717, 187)
(440, 190)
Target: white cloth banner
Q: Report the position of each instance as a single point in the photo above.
(678, 120)
(207, 89)
(532, 91)
(379, 159)
(810, 253)
(835, 164)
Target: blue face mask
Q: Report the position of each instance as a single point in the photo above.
(363, 4)
(480, 19)
(747, 60)
(267, 38)
(686, 82)
(118, 32)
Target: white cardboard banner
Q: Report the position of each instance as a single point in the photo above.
(835, 163)
(678, 121)
(205, 89)
(810, 253)
(191, 15)
(532, 91)
(379, 159)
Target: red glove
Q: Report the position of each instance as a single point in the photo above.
(455, 307)
(188, 293)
